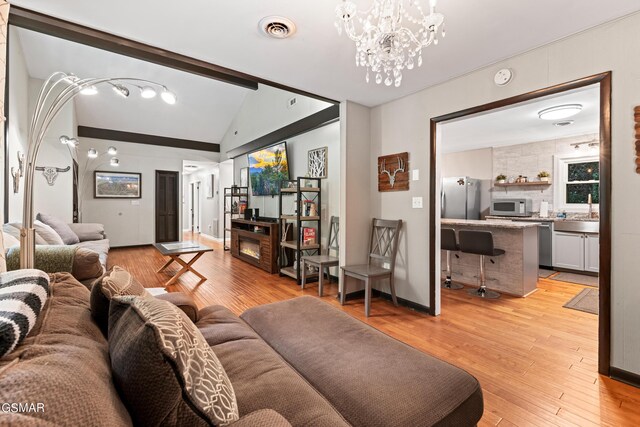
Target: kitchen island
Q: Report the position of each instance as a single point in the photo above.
(514, 273)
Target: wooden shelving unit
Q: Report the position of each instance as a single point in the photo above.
(292, 248)
(523, 184)
(230, 195)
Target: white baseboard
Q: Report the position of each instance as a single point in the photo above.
(206, 236)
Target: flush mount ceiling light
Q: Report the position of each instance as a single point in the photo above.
(277, 27)
(392, 36)
(560, 112)
(89, 90)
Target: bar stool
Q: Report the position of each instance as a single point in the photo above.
(480, 243)
(448, 243)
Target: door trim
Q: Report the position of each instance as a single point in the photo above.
(604, 79)
(155, 202)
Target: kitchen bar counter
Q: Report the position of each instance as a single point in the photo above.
(493, 223)
(514, 273)
(538, 219)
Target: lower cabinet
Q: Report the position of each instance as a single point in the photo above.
(576, 251)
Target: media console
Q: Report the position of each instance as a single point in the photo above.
(256, 242)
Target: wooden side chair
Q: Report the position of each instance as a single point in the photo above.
(324, 262)
(383, 248)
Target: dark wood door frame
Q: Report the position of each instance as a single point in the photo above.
(177, 201)
(604, 79)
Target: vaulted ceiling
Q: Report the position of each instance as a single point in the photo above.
(316, 58)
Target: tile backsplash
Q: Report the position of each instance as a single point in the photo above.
(528, 160)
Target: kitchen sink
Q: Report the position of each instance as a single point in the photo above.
(577, 226)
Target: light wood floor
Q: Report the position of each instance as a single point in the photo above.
(536, 361)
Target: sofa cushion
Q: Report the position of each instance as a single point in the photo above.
(61, 227)
(9, 240)
(99, 246)
(260, 377)
(47, 233)
(86, 265)
(262, 418)
(13, 229)
(183, 301)
(115, 282)
(371, 378)
(64, 364)
(88, 231)
(23, 294)
(164, 368)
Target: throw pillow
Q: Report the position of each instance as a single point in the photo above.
(116, 282)
(47, 233)
(23, 293)
(61, 227)
(9, 240)
(13, 229)
(86, 265)
(163, 367)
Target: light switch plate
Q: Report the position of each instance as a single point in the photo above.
(415, 175)
(417, 203)
(135, 202)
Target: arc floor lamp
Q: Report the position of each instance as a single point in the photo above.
(57, 91)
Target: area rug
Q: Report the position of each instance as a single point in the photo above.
(581, 279)
(587, 301)
(543, 273)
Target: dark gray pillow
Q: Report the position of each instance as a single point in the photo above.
(61, 227)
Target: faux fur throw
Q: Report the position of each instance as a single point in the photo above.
(50, 258)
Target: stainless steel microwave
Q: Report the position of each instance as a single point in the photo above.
(511, 207)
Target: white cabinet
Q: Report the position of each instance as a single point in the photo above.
(592, 252)
(576, 251)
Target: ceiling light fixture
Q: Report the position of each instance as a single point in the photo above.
(391, 38)
(560, 112)
(115, 162)
(72, 142)
(92, 153)
(168, 96)
(112, 151)
(147, 92)
(121, 90)
(89, 90)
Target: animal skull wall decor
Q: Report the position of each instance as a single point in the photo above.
(18, 173)
(393, 172)
(51, 172)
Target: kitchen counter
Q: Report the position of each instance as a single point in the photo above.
(514, 273)
(490, 223)
(538, 219)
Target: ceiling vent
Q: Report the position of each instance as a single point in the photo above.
(277, 27)
(564, 123)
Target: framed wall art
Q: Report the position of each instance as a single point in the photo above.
(244, 177)
(393, 172)
(317, 162)
(117, 185)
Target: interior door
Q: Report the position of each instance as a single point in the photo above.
(167, 205)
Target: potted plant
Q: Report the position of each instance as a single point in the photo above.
(501, 179)
(544, 176)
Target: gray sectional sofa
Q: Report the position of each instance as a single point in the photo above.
(299, 362)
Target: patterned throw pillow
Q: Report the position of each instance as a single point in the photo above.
(164, 368)
(23, 294)
(116, 282)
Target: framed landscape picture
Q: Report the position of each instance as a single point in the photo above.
(244, 177)
(117, 185)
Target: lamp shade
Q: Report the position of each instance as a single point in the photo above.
(168, 97)
(147, 92)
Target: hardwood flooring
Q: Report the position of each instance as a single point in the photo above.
(536, 361)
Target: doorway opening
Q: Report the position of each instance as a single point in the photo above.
(166, 201)
(571, 190)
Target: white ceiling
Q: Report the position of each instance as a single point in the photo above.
(520, 124)
(204, 110)
(316, 58)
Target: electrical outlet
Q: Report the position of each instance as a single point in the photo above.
(417, 203)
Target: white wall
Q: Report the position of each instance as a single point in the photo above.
(23, 92)
(403, 125)
(225, 181)
(265, 111)
(131, 222)
(209, 206)
(476, 164)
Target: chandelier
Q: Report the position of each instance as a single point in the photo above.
(391, 36)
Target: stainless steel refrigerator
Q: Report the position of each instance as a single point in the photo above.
(460, 198)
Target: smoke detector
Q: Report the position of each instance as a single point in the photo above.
(277, 27)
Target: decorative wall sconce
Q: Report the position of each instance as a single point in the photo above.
(18, 173)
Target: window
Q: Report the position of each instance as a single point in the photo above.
(578, 177)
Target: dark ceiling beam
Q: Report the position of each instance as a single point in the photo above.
(309, 123)
(25, 18)
(141, 138)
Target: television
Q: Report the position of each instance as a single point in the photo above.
(267, 168)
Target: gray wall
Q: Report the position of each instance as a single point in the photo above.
(403, 125)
